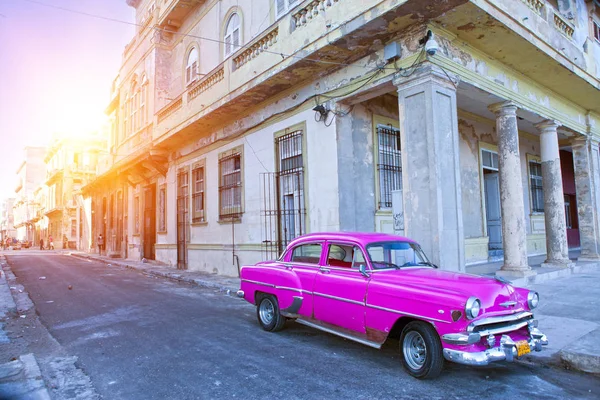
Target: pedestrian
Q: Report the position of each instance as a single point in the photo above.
(50, 243)
(41, 244)
(100, 244)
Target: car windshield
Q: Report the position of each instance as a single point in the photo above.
(397, 255)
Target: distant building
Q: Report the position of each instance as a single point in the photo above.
(7, 228)
(239, 125)
(70, 165)
(30, 174)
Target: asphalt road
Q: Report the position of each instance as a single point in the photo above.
(140, 337)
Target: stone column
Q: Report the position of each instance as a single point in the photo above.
(587, 181)
(557, 249)
(430, 165)
(511, 193)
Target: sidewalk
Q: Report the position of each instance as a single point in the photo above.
(569, 312)
(20, 378)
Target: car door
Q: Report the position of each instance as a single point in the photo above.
(340, 288)
(304, 260)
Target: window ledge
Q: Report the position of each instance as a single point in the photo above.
(229, 221)
(203, 223)
(385, 211)
(161, 232)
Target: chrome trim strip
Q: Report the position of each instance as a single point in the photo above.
(461, 338)
(335, 332)
(289, 288)
(508, 304)
(360, 303)
(258, 283)
(407, 314)
(495, 320)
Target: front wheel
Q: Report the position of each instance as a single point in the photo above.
(421, 350)
(267, 312)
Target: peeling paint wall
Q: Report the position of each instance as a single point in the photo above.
(471, 134)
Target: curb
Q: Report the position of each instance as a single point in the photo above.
(22, 379)
(227, 289)
(581, 356)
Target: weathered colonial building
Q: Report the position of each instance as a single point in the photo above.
(7, 220)
(70, 165)
(471, 126)
(30, 175)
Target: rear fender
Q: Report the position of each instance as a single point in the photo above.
(276, 280)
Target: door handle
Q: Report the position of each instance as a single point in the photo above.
(324, 270)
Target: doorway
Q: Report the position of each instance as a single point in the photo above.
(182, 217)
(491, 193)
(149, 221)
(493, 213)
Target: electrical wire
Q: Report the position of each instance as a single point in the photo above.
(243, 46)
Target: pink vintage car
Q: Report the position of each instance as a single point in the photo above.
(370, 286)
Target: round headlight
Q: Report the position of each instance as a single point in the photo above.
(533, 299)
(472, 308)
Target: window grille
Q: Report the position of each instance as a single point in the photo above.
(162, 209)
(596, 30)
(230, 186)
(537, 191)
(282, 193)
(198, 194)
(136, 215)
(389, 165)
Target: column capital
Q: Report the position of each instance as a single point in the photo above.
(426, 72)
(504, 108)
(548, 125)
(584, 140)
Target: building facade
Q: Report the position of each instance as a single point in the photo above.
(70, 165)
(30, 174)
(7, 220)
(471, 126)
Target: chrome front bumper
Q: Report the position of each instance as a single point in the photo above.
(506, 351)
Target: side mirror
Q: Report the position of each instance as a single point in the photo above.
(363, 270)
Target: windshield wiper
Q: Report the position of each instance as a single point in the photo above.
(427, 263)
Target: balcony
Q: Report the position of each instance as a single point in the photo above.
(286, 54)
(172, 13)
(54, 174)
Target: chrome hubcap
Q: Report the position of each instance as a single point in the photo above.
(266, 311)
(414, 349)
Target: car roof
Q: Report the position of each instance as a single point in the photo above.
(363, 238)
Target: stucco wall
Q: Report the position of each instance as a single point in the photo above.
(210, 243)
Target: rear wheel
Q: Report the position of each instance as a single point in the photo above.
(267, 312)
(421, 350)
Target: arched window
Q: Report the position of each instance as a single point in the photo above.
(125, 110)
(133, 107)
(232, 34)
(191, 66)
(143, 100)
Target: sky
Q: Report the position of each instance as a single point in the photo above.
(56, 70)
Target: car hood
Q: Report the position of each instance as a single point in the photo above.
(495, 296)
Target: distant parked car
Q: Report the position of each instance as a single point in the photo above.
(25, 244)
(16, 244)
(368, 287)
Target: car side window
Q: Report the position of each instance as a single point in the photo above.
(339, 255)
(307, 253)
(358, 258)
